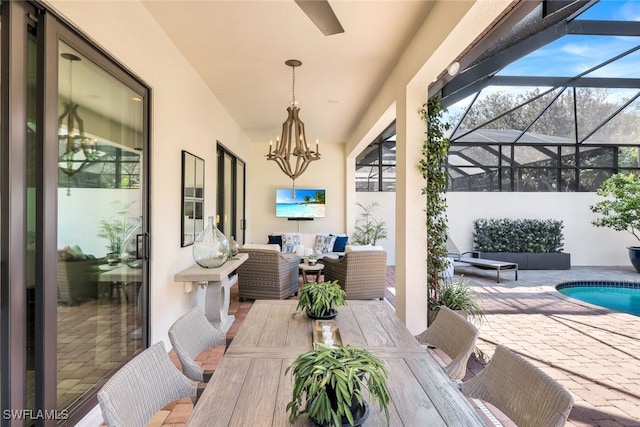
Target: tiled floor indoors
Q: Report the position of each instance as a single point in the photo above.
(593, 352)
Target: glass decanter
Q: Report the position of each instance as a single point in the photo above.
(234, 246)
(211, 247)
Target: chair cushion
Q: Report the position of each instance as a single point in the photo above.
(341, 242)
(289, 242)
(324, 243)
(275, 248)
(358, 248)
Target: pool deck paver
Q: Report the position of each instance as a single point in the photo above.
(594, 352)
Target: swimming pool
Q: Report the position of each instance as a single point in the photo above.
(619, 296)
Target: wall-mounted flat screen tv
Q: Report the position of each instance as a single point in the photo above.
(307, 203)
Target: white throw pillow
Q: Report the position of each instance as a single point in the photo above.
(324, 243)
(289, 243)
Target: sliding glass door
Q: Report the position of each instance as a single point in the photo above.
(231, 189)
(74, 218)
(99, 290)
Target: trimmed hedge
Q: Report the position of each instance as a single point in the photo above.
(517, 235)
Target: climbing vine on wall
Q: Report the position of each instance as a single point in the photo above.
(432, 167)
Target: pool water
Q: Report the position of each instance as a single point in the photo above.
(624, 297)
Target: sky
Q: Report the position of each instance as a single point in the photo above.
(285, 196)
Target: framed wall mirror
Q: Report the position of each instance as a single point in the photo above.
(192, 221)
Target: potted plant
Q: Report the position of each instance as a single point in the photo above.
(328, 383)
(320, 300)
(368, 230)
(312, 259)
(457, 296)
(114, 230)
(532, 243)
(620, 209)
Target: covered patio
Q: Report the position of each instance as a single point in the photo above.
(591, 351)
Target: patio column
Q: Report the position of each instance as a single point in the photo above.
(411, 232)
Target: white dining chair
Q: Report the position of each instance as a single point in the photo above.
(455, 336)
(142, 387)
(190, 335)
(520, 390)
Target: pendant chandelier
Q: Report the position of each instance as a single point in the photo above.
(76, 150)
(292, 153)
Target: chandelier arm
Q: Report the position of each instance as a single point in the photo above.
(303, 168)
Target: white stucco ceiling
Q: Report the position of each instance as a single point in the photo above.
(239, 48)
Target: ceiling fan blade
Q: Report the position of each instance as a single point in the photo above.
(321, 14)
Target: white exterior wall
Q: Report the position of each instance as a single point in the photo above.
(263, 177)
(588, 245)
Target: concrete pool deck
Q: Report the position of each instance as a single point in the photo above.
(594, 352)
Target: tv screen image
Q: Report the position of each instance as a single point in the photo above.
(307, 203)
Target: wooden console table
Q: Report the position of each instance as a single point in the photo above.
(218, 282)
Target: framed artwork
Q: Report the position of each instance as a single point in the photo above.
(192, 221)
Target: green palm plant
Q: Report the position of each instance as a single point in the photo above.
(114, 230)
(369, 230)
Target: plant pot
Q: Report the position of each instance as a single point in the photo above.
(330, 315)
(634, 257)
(360, 415)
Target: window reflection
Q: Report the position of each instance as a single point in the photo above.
(98, 316)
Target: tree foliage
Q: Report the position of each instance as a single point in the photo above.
(620, 209)
(530, 110)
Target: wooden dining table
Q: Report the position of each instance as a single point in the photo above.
(250, 388)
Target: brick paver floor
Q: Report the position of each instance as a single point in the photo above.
(593, 352)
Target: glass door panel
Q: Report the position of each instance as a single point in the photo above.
(230, 197)
(227, 205)
(239, 225)
(100, 204)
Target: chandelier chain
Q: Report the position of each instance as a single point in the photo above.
(293, 86)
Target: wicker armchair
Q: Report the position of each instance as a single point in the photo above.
(455, 336)
(142, 387)
(360, 273)
(268, 274)
(528, 396)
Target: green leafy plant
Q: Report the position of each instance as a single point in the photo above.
(320, 299)
(369, 230)
(328, 380)
(458, 296)
(432, 168)
(517, 235)
(114, 229)
(621, 208)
